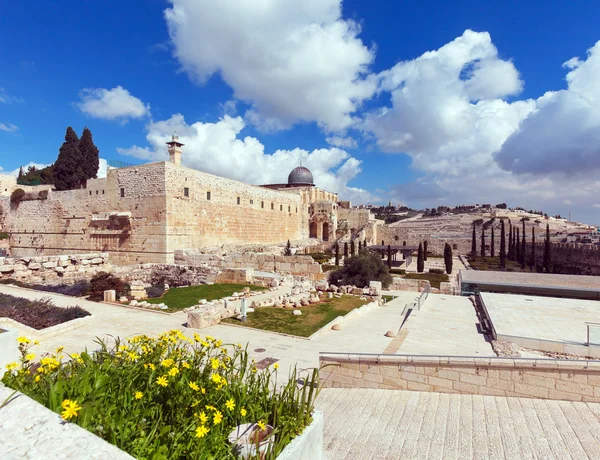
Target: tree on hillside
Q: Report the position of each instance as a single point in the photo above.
(68, 170)
(425, 250)
(389, 257)
(359, 246)
(448, 258)
(502, 245)
(365, 244)
(288, 249)
(510, 234)
(492, 249)
(482, 241)
(20, 176)
(352, 248)
(518, 247)
(359, 270)
(547, 252)
(90, 154)
(337, 254)
(420, 259)
(532, 260)
(473, 244)
(524, 248)
(346, 250)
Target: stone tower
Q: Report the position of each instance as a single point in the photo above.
(175, 149)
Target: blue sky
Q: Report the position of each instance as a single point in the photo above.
(344, 86)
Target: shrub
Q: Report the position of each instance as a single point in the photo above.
(38, 314)
(168, 397)
(439, 271)
(78, 289)
(104, 282)
(43, 195)
(320, 257)
(17, 196)
(155, 291)
(397, 271)
(3, 236)
(360, 269)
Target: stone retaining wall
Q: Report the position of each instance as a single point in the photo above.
(572, 380)
(403, 284)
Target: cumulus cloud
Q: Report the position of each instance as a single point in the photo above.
(8, 127)
(342, 142)
(218, 148)
(102, 167)
(112, 104)
(292, 61)
(563, 134)
(15, 172)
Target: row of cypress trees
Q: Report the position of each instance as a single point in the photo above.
(78, 161)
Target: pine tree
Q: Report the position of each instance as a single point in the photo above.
(20, 177)
(533, 265)
(473, 244)
(389, 257)
(337, 254)
(420, 259)
(482, 242)
(346, 250)
(288, 249)
(352, 248)
(448, 258)
(68, 170)
(524, 247)
(90, 154)
(502, 246)
(492, 249)
(547, 252)
(425, 250)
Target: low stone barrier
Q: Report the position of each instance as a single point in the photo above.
(45, 269)
(403, 284)
(572, 380)
(48, 331)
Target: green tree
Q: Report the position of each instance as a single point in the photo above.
(532, 264)
(352, 248)
(482, 241)
(492, 249)
(90, 154)
(448, 258)
(360, 269)
(524, 248)
(510, 240)
(68, 171)
(473, 243)
(425, 250)
(502, 245)
(389, 261)
(337, 254)
(518, 247)
(20, 176)
(547, 252)
(288, 249)
(345, 250)
(359, 246)
(420, 259)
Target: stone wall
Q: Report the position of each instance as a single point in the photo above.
(295, 265)
(572, 380)
(394, 235)
(403, 284)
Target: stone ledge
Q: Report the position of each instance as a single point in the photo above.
(49, 331)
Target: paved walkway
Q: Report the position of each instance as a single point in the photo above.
(384, 424)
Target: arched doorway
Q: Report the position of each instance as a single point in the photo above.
(325, 231)
(313, 230)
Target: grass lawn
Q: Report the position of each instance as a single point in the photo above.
(180, 298)
(493, 263)
(434, 278)
(387, 298)
(313, 317)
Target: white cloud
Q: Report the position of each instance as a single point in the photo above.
(596, 205)
(292, 61)
(218, 148)
(112, 104)
(102, 167)
(8, 127)
(6, 98)
(342, 142)
(15, 172)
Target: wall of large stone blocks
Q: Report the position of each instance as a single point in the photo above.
(7, 184)
(435, 244)
(262, 215)
(572, 380)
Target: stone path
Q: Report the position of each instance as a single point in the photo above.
(385, 424)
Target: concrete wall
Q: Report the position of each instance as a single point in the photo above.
(572, 380)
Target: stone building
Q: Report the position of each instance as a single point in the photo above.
(145, 213)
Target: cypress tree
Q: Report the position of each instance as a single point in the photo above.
(352, 248)
(90, 154)
(473, 244)
(389, 256)
(346, 250)
(502, 246)
(533, 265)
(492, 243)
(337, 254)
(425, 250)
(547, 251)
(448, 258)
(365, 244)
(510, 237)
(288, 249)
(482, 242)
(518, 247)
(359, 246)
(524, 248)
(20, 177)
(404, 243)
(68, 170)
(420, 260)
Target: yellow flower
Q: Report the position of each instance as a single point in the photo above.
(194, 386)
(138, 395)
(275, 366)
(59, 350)
(11, 366)
(167, 362)
(253, 370)
(201, 431)
(29, 357)
(209, 407)
(239, 345)
(77, 357)
(37, 378)
(230, 404)
(203, 390)
(185, 364)
(132, 356)
(162, 381)
(197, 337)
(149, 365)
(70, 409)
(216, 378)
(261, 424)
(203, 417)
(173, 372)
(23, 339)
(243, 412)
(217, 417)
(214, 363)
(36, 342)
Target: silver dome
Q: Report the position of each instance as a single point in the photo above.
(300, 176)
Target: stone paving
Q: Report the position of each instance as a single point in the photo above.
(384, 424)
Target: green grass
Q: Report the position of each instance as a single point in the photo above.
(3, 236)
(387, 298)
(180, 298)
(313, 317)
(434, 278)
(493, 263)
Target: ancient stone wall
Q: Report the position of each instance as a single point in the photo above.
(435, 244)
(7, 184)
(572, 380)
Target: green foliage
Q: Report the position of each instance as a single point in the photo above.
(532, 258)
(482, 242)
(345, 250)
(398, 271)
(425, 244)
(169, 397)
(438, 271)
(492, 244)
(35, 176)
(4, 236)
(473, 243)
(547, 252)
(360, 269)
(389, 257)
(104, 282)
(90, 154)
(420, 259)
(502, 245)
(68, 168)
(38, 314)
(17, 196)
(288, 249)
(155, 291)
(320, 257)
(337, 254)
(447, 258)
(183, 297)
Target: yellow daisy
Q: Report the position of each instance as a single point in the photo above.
(162, 381)
(201, 431)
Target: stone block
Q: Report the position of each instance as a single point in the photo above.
(7, 268)
(530, 390)
(577, 388)
(51, 264)
(563, 395)
(473, 379)
(110, 296)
